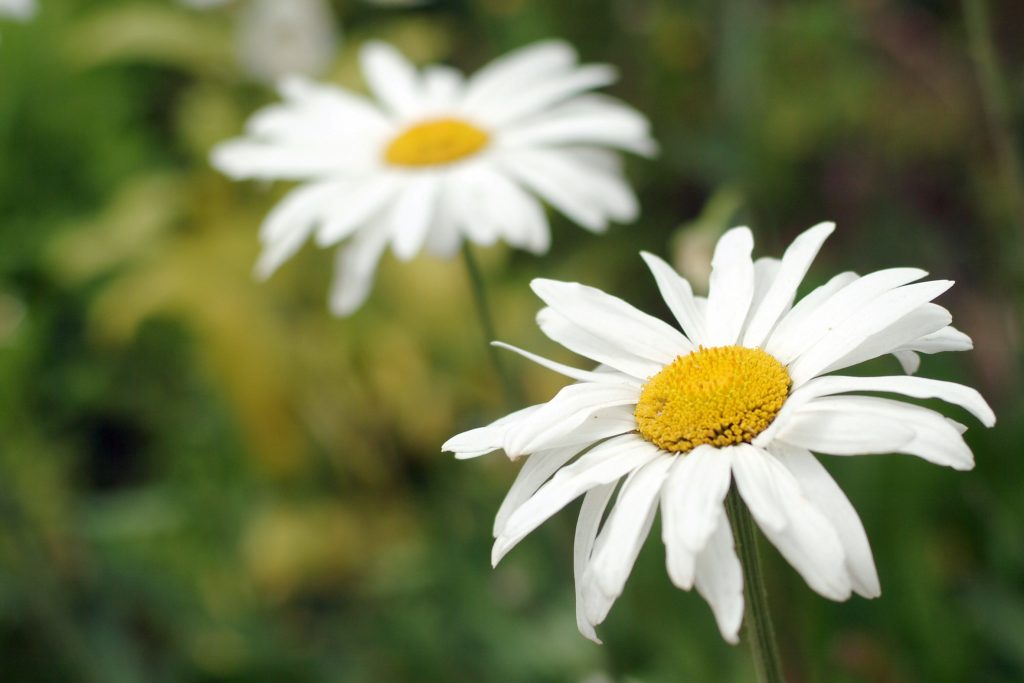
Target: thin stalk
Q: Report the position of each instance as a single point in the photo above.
(483, 308)
(995, 101)
(757, 620)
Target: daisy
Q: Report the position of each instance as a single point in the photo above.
(435, 158)
(277, 39)
(742, 395)
(21, 10)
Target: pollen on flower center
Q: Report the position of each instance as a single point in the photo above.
(437, 142)
(719, 396)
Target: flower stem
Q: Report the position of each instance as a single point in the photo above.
(757, 620)
(995, 100)
(483, 308)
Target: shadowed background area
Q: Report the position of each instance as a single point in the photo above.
(205, 478)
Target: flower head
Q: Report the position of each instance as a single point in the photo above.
(742, 395)
(21, 10)
(438, 158)
(278, 39)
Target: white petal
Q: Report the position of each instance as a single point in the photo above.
(600, 171)
(832, 303)
(627, 527)
(486, 439)
(319, 107)
(583, 196)
(463, 198)
(550, 91)
(917, 387)
(445, 237)
(604, 423)
(569, 409)
(934, 438)
(694, 493)
(947, 339)
(844, 433)
(691, 505)
(491, 205)
(568, 371)
(795, 263)
(360, 202)
(392, 78)
(910, 361)
(515, 69)
(680, 561)
(537, 469)
(581, 341)
(766, 269)
(874, 317)
(614, 320)
(289, 224)
(245, 158)
(605, 463)
(587, 526)
(413, 215)
(781, 343)
(442, 86)
(824, 493)
(805, 536)
(678, 296)
(753, 473)
(719, 579)
(731, 286)
(590, 120)
(355, 265)
(922, 321)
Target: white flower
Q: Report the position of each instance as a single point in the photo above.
(438, 159)
(277, 39)
(205, 4)
(22, 10)
(743, 396)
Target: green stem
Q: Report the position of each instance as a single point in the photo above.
(483, 308)
(757, 620)
(995, 101)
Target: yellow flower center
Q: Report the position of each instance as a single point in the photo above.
(437, 142)
(720, 396)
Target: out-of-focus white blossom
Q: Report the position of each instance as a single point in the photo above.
(277, 39)
(22, 10)
(436, 158)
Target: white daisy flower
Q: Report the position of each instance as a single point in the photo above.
(277, 39)
(21, 10)
(742, 395)
(205, 4)
(439, 158)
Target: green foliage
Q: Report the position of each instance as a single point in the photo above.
(204, 478)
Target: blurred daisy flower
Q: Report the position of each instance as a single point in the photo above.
(277, 39)
(436, 158)
(742, 395)
(22, 10)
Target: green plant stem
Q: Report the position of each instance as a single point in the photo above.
(483, 308)
(995, 102)
(757, 620)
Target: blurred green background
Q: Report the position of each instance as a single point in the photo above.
(204, 478)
